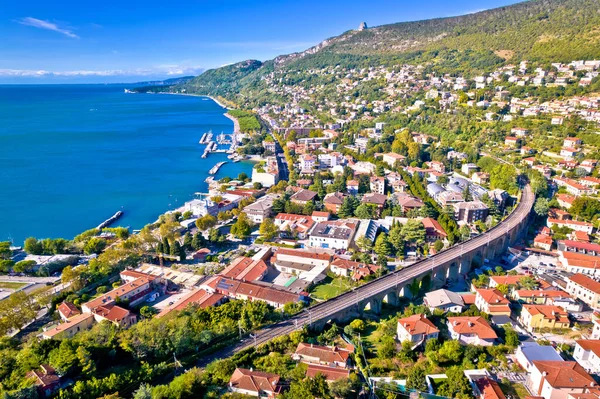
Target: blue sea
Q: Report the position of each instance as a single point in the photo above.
(73, 155)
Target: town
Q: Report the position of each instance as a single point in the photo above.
(403, 233)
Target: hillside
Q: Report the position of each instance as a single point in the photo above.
(541, 31)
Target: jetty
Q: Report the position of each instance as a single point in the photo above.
(110, 220)
(206, 138)
(216, 168)
(210, 147)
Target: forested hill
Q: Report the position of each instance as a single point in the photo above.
(541, 31)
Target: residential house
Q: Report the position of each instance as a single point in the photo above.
(70, 327)
(305, 264)
(572, 224)
(537, 317)
(319, 216)
(444, 300)
(45, 379)
(333, 202)
(260, 210)
(538, 297)
(543, 241)
(246, 269)
(433, 230)
(492, 302)
(408, 202)
(375, 199)
(511, 141)
(530, 351)
(558, 379)
(352, 187)
(66, 310)
(391, 158)
(579, 247)
(332, 356)
(331, 374)
(332, 234)
(469, 168)
(474, 330)
(470, 212)
(480, 178)
(133, 292)
(299, 225)
(303, 196)
(349, 268)
(255, 383)
(585, 289)
(377, 184)
(450, 198)
(307, 163)
(416, 329)
(587, 354)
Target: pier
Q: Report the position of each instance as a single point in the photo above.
(206, 138)
(216, 168)
(110, 220)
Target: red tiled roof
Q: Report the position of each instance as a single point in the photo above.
(561, 374)
(418, 324)
(200, 297)
(112, 313)
(68, 310)
(586, 282)
(325, 354)
(472, 325)
(489, 389)
(590, 345)
(549, 312)
(492, 296)
(434, 225)
(330, 373)
(254, 381)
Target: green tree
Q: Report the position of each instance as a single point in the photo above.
(366, 211)
(456, 385)
(541, 207)
(438, 245)
(95, 245)
(268, 229)
(242, 227)
(33, 246)
(348, 207)
(206, 222)
(382, 245)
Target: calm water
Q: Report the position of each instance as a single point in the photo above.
(73, 155)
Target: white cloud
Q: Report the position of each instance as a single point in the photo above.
(41, 24)
(163, 70)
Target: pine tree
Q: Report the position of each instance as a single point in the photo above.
(166, 248)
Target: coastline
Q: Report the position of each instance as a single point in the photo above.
(236, 124)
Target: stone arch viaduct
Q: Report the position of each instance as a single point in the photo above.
(448, 264)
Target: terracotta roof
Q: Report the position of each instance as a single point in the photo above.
(489, 389)
(562, 374)
(73, 321)
(348, 264)
(590, 345)
(374, 198)
(550, 312)
(199, 297)
(112, 313)
(325, 354)
(68, 310)
(418, 324)
(542, 294)
(507, 280)
(336, 198)
(321, 214)
(45, 377)
(492, 296)
(472, 325)
(330, 373)
(254, 381)
(135, 274)
(303, 195)
(468, 299)
(432, 224)
(587, 246)
(304, 254)
(586, 282)
(245, 269)
(110, 296)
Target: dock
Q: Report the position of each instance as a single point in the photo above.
(110, 220)
(216, 168)
(206, 138)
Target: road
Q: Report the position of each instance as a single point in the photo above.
(325, 310)
(284, 173)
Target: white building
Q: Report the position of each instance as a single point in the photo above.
(587, 354)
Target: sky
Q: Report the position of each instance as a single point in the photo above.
(70, 41)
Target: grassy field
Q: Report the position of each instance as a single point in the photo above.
(12, 285)
(514, 389)
(330, 288)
